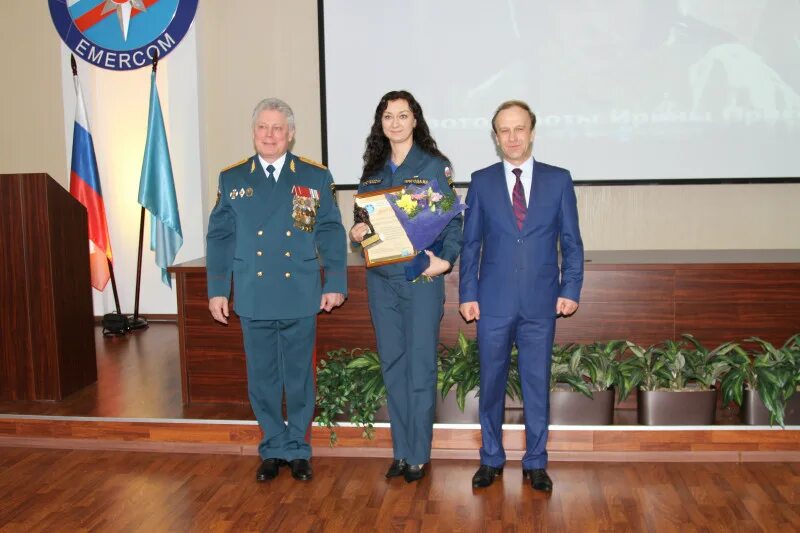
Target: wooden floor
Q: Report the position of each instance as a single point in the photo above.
(44, 490)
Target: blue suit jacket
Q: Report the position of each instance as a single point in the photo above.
(515, 272)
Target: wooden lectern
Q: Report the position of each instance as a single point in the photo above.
(47, 348)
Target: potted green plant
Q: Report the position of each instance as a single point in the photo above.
(675, 381)
(349, 385)
(459, 372)
(765, 384)
(582, 380)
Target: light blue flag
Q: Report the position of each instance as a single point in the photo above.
(157, 189)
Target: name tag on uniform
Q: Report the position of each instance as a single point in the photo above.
(416, 180)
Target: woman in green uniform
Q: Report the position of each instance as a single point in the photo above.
(406, 315)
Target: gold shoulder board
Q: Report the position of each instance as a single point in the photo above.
(235, 164)
(312, 162)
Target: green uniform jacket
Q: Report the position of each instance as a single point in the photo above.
(254, 235)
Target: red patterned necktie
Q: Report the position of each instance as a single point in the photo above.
(518, 199)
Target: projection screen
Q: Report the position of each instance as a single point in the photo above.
(623, 89)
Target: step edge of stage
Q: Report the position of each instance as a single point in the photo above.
(386, 425)
(437, 454)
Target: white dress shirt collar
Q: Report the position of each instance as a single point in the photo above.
(278, 164)
(526, 178)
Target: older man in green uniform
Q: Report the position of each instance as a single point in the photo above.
(274, 222)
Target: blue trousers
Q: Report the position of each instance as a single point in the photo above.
(534, 340)
(406, 317)
(279, 357)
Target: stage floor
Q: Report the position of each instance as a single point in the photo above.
(138, 376)
(136, 404)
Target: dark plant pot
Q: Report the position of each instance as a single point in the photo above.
(677, 408)
(570, 408)
(447, 410)
(382, 414)
(754, 412)
(511, 403)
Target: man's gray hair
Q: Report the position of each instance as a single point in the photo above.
(276, 104)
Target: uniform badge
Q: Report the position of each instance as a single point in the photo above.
(234, 194)
(241, 192)
(252, 167)
(305, 203)
(248, 192)
(291, 166)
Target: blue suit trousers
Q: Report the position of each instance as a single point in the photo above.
(534, 340)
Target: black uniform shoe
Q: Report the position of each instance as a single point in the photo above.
(268, 469)
(301, 469)
(539, 479)
(397, 468)
(414, 473)
(485, 476)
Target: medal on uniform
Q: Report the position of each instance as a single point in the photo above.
(305, 202)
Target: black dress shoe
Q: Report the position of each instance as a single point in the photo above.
(301, 469)
(414, 473)
(268, 469)
(485, 476)
(539, 479)
(397, 468)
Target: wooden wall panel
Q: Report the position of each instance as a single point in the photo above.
(640, 322)
(645, 303)
(631, 285)
(715, 323)
(756, 285)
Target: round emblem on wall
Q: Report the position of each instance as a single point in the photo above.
(122, 34)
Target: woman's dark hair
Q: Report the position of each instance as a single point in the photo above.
(377, 145)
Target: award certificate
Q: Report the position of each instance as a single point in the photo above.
(394, 245)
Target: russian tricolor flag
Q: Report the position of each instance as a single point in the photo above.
(84, 184)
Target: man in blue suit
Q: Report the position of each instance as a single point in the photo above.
(519, 211)
(275, 221)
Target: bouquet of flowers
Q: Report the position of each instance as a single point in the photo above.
(424, 211)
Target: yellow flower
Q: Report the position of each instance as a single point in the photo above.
(406, 203)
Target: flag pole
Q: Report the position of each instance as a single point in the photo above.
(74, 66)
(138, 322)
